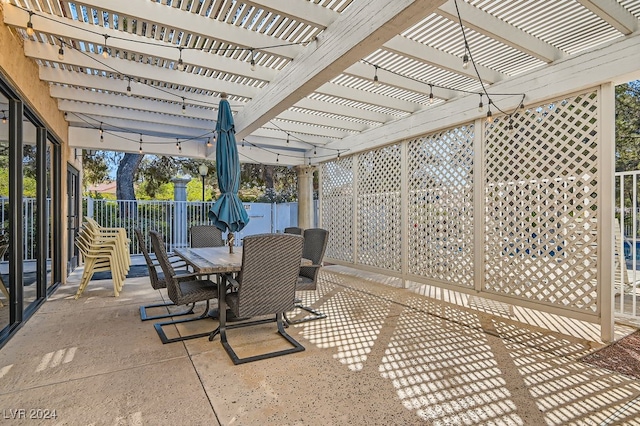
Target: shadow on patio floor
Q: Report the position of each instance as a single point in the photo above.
(384, 355)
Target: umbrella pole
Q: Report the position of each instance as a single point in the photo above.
(230, 240)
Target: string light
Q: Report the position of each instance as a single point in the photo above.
(489, 113)
(243, 143)
(61, 53)
(4, 117)
(465, 58)
(180, 63)
(105, 52)
(278, 158)
(177, 144)
(287, 137)
(431, 93)
(209, 144)
(140, 150)
(180, 147)
(480, 105)
(376, 81)
(253, 61)
(101, 133)
(184, 107)
(30, 31)
(129, 87)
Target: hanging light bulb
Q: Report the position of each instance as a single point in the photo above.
(30, 31)
(101, 137)
(314, 151)
(465, 61)
(180, 147)
(253, 61)
(431, 93)
(243, 143)
(4, 118)
(140, 150)
(61, 53)
(480, 106)
(376, 81)
(177, 144)
(278, 158)
(184, 107)
(105, 51)
(287, 137)
(338, 154)
(180, 63)
(209, 144)
(129, 87)
(489, 114)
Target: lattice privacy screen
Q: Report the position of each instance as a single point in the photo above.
(337, 207)
(440, 206)
(541, 203)
(540, 176)
(379, 241)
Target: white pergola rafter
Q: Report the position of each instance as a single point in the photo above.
(356, 33)
(321, 90)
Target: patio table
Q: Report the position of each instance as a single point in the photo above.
(217, 261)
(212, 260)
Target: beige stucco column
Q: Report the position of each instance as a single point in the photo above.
(305, 196)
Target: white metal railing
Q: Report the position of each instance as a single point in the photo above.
(29, 248)
(174, 218)
(627, 250)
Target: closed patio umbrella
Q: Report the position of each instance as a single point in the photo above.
(228, 213)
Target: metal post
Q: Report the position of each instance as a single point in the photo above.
(203, 170)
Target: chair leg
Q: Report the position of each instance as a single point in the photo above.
(315, 315)
(163, 337)
(222, 330)
(145, 317)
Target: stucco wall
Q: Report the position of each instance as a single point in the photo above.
(22, 73)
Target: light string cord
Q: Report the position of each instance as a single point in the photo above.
(475, 68)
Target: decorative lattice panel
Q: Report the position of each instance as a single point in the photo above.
(440, 206)
(337, 207)
(541, 203)
(379, 241)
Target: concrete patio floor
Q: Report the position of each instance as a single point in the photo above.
(384, 356)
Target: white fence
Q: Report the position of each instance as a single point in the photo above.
(628, 245)
(174, 218)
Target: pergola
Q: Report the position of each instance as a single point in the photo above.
(466, 144)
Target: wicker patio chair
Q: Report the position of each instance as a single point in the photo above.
(157, 280)
(265, 286)
(315, 244)
(206, 236)
(293, 230)
(182, 290)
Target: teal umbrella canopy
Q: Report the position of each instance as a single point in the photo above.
(227, 213)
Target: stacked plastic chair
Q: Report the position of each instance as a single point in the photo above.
(103, 249)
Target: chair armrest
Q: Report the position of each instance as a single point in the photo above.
(231, 282)
(189, 277)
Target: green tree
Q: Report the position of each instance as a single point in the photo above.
(628, 126)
